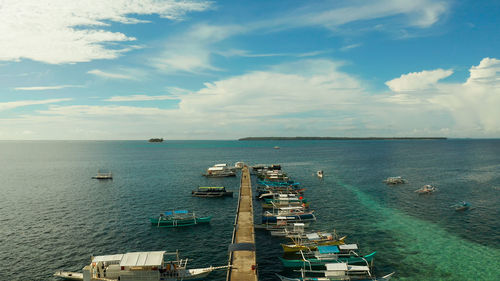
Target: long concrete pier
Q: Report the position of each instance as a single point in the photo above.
(242, 257)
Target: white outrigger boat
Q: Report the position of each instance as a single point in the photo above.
(426, 189)
(395, 180)
(220, 170)
(338, 271)
(138, 266)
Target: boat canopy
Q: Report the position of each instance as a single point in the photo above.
(362, 268)
(348, 247)
(336, 266)
(143, 259)
(332, 249)
(220, 165)
(216, 169)
(108, 258)
(312, 236)
(169, 213)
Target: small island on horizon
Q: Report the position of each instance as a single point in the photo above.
(156, 140)
(342, 138)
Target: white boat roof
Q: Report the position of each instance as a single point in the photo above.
(336, 266)
(142, 259)
(216, 168)
(299, 224)
(358, 268)
(108, 258)
(220, 165)
(348, 247)
(312, 236)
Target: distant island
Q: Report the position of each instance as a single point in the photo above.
(342, 138)
(156, 140)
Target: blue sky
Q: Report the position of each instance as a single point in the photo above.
(137, 69)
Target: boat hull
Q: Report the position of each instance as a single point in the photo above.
(179, 223)
(212, 194)
(320, 263)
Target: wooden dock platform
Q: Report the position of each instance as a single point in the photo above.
(242, 255)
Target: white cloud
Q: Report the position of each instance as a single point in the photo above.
(487, 72)
(307, 97)
(60, 31)
(98, 110)
(44, 88)
(15, 104)
(141, 98)
(415, 81)
(349, 47)
(111, 75)
(413, 13)
(191, 51)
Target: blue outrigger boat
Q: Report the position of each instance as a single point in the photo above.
(178, 218)
(462, 206)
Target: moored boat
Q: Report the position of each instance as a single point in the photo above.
(338, 271)
(311, 241)
(211, 191)
(138, 266)
(320, 174)
(219, 171)
(327, 254)
(178, 218)
(297, 213)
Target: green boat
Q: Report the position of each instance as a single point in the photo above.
(178, 218)
(329, 254)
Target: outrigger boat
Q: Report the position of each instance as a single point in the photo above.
(285, 200)
(426, 189)
(211, 191)
(338, 271)
(138, 266)
(178, 218)
(103, 175)
(219, 171)
(288, 183)
(462, 206)
(395, 180)
(280, 224)
(311, 241)
(327, 254)
(296, 228)
(269, 193)
(297, 213)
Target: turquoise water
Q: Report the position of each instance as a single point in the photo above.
(53, 216)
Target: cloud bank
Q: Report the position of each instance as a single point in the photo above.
(60, 31)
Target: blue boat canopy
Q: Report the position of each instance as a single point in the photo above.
(169, 213)
(328, 249)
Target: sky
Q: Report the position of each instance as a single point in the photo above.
(136, 69)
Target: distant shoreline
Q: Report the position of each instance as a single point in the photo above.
(342, 138)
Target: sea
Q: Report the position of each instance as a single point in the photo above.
(54, 216)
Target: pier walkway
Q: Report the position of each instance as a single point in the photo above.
(242, 257)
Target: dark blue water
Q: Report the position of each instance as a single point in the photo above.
(53, 216)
